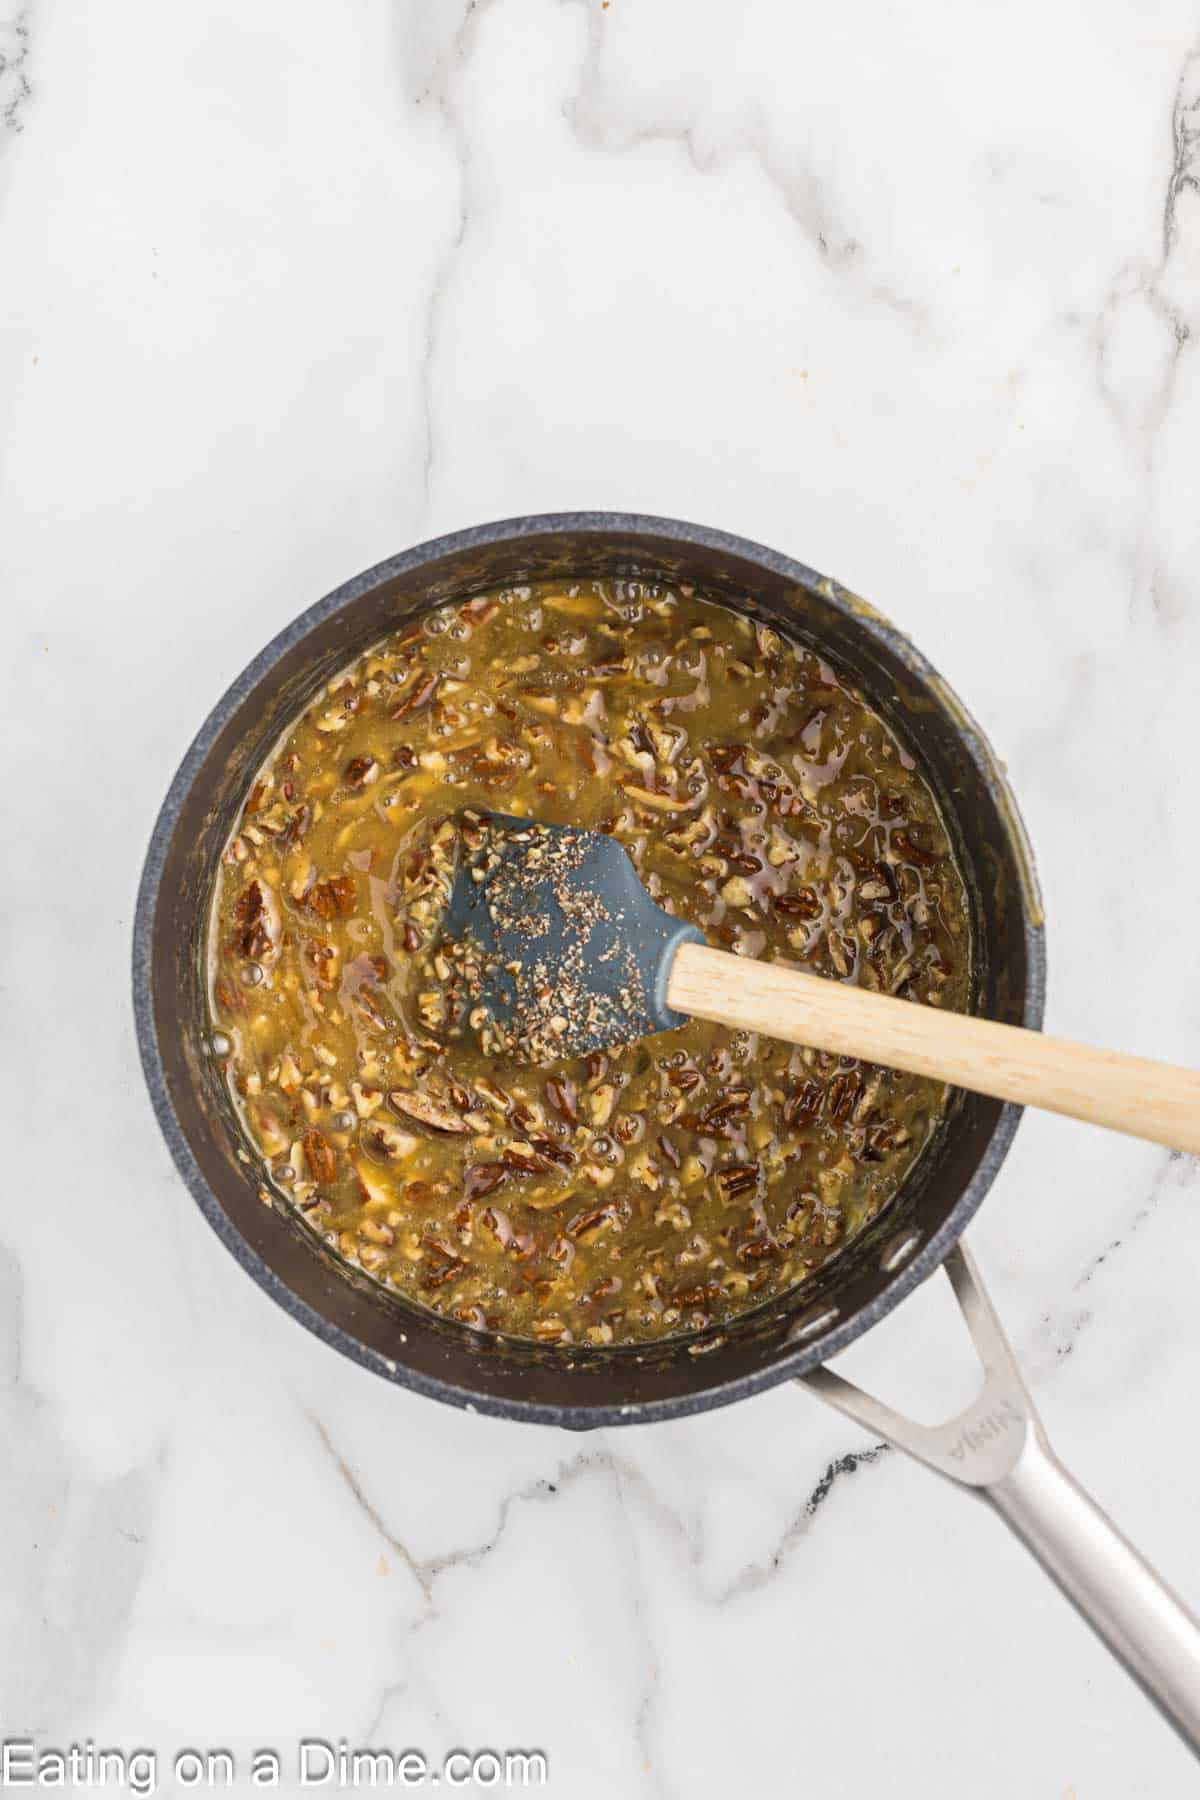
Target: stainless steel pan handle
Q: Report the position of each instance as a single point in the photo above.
(998, 1450)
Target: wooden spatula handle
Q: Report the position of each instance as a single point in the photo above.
(1127, 1093)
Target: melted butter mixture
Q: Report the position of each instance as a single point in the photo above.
(667, 1185)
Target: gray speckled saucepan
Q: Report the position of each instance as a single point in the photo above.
(572, 1386)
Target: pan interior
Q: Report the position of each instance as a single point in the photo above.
(595, 1385)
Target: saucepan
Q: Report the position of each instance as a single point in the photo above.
(996, 1449)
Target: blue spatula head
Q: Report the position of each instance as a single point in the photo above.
(555, 948)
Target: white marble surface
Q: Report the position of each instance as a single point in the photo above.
(910, 292)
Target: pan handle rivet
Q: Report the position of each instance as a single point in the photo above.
(897, 1251)
(809, 1324)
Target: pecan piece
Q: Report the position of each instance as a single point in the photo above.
(561, 1095)
(803, 1106)
(523, 1159)
(370, 1009)
(418, 696)
(483, 1178)
(250, 912)
(915, 852)
(589, 1224)
(296, 826)
(803, 904)
(444, 1265)
(844, 1093)
(388, 1140)
(731, 1106)
(320, 1156)
(738, 1178)
(250, 904)
(478, 612)
(553, 1152)
(333, 899)
(425, 1111)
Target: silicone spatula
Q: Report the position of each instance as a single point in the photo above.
(559, 950)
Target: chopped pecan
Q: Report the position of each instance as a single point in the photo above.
(670, 1152)
(296, 827)
(738, 1178)
(590, 1223)
(333, 899)
(250, 913)
(417, 695)
(320, 1156)
(803, 904)
(729, 1107)
(917, 853)
(443, 1264)
(370, 1009)
(387, 1140)
(425, 1111)
(478, 612)
(553, 1152)
(484, 1178)
(803, 1106)
(844, 1093)
(561, 1095)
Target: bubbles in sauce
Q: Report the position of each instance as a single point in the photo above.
(658, 1189)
